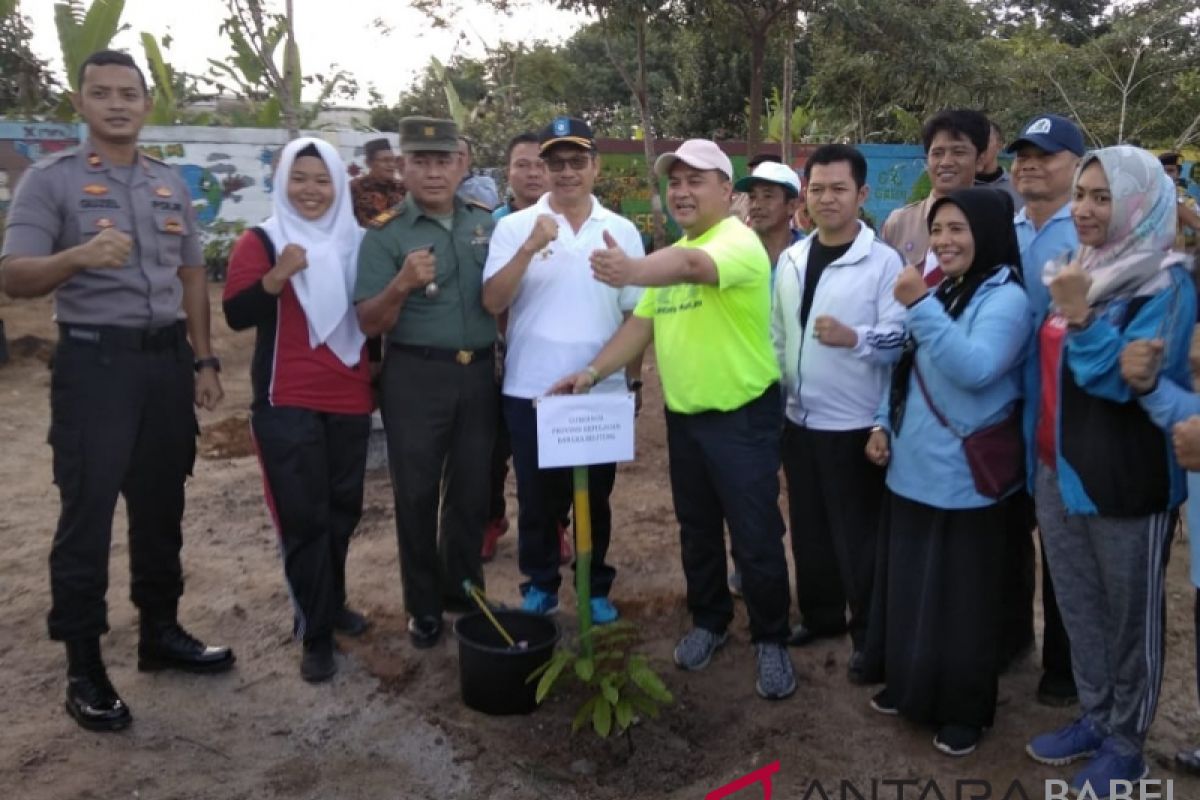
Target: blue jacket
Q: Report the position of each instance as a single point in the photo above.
(972, 369)
(1111, 458)
(1167, 405)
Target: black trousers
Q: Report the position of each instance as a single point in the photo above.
(440, 419)
(725, 469)
(1196, 620)
(545, 497)
(122, 423)
(1018, 591)
(501, 452)
(834, 496)
(314, 465)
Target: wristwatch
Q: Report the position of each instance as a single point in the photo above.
(211, 361)
(634, 385)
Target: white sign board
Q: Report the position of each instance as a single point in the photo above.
(580, 429)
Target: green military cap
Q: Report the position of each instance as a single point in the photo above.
(419, 134)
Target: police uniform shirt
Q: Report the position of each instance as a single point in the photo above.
(455, 318)
(65, 199)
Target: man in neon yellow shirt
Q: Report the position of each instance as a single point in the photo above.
(707, 309)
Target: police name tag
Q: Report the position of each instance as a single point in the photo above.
(581, 429)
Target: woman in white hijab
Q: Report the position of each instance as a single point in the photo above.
(291, 279)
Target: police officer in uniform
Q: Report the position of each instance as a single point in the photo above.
(112, 233)
(419, 284)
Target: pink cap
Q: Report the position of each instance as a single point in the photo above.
(698, 154)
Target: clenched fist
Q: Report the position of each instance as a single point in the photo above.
(419, 270)
(545, 231)
(1069, 290)
(1140, 362)
(832, 333)
(1186, 438)
(879, 450)
(910, 286)
(293, 259)
(108, 249)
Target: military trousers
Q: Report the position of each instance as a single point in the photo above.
(440, 419)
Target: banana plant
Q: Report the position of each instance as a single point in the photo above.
(166, 107)
(458, 110)
(82, 32)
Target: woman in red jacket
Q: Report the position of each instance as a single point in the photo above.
(292, 279)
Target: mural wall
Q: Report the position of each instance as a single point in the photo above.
(228, 170)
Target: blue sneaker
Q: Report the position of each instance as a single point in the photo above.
(539, 602)
(1107, 768)
(603, 611)
(1078, 740)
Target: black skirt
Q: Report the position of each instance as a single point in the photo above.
(935, 621)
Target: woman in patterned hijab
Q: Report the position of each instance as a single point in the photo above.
(1107, 483)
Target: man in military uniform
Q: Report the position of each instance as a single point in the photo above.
(380, 189)
(112, 233)
(419, 284)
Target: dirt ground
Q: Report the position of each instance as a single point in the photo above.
(391, 725)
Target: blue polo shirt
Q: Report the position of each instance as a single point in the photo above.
(1056, 236)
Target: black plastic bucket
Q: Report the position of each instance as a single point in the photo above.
(492, 675)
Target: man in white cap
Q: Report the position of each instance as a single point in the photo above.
(773, 192)
(707, 309)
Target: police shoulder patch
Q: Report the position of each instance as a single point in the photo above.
(54, 158)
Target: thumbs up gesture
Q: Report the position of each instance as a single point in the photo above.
(611, 265)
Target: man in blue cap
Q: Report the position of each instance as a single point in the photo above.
(1045, 156)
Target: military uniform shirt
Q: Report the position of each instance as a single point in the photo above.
(455, 319)
(65, 199)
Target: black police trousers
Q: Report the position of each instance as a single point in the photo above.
(314, 466)
(121, 423)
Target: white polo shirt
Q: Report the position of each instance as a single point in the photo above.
(561, 316)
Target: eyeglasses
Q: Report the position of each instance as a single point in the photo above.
(576, 163)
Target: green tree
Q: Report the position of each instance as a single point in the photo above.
(268, 82)
(27, 87)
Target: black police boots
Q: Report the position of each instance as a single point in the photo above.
(91, 699)
(164, 644)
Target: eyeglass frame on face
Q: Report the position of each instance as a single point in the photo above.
(577, 163)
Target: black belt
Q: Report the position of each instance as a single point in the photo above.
(167, 337)
(463, 357)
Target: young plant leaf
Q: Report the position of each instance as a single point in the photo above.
(602, 717)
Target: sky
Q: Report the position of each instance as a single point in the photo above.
(338, 32)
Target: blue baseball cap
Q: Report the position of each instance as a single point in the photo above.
(1051, 133)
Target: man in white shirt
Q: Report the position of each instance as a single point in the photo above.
(837, 329)
(559, 317)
